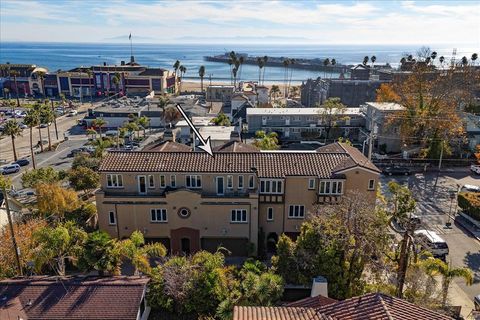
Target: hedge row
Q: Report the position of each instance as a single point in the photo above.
(469, 202)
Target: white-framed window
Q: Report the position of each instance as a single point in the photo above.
(371, 184)
(328, 187)
(158, 215)
(251, 182)
(296, 130)
(151, 181)
(229, 182)
(310, 118)
(193, 181)
(173, 181)
(163, 182)
(240, 182)
(271, 186)
(296, 118)
(270, 214)
(311, 183)
(112, 220)
(239, 216)
(114, 181)
(296, 211)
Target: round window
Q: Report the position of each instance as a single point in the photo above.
(184, 213)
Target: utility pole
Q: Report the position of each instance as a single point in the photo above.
(10, 223)
(370, 138)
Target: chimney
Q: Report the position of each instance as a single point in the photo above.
(122, 63)
(132, 59)
(319, 287)
(234, 136)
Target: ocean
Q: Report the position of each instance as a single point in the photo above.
(67, 56)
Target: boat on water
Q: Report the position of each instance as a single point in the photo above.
(316, 64)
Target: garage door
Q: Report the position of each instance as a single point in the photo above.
(237, 246)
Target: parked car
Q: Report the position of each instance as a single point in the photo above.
(475, 168)
(397, 170)
(432, 242)
(11, 168)
(72, 113)
(45, 125)
(22, 162)
(23, 126)
(470, 188)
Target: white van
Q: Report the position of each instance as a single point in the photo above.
(432, 242)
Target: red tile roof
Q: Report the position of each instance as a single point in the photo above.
(372, 306)
(311, 302)
(235, 146)
(168, 146)
(268, 164)
(378, 306)
(277, 313)
(54, 298)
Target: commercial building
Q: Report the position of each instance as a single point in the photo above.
(306, 123)
(190, 201)
(219, 93)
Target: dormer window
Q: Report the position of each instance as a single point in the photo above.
(330, 187)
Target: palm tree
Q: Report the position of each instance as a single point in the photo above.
(15, 74)
(464, 61)
(201, 74)
(265, 60)
(241, 60)
(365, 60)
(91, 132)
(292, 62)
(47, 116)
(474, 58)
(333, 62)
(433, 56)
(41, 76)
(274, 91)
(38, 108)
(99, 123)
(286, 62)
(176, 65)
(32, 120)
(235, 71)
(438, 267)
(182, 69)
(100, 146)
(326, 62)
(116, 81)
(373, 59)
(261, 64)
(13, 130)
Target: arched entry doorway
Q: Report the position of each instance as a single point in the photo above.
(272, 240)
(184, 240)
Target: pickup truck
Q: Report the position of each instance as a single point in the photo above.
(475, 168)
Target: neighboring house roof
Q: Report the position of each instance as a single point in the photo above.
(277, 164)
(298, 111)
(378, 306)
(277, 313)
(311, 302)
(386, 106)
(55, 298)
(235, 146)
(372, 306)
(356, 157)
(168, 146)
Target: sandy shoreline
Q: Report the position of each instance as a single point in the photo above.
(195, 86)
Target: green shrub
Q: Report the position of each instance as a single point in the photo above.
(469, 202)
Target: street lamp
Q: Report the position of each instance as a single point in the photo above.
(452, 195)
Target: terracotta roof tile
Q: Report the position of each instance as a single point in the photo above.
(277, 313)
(311, 302)
(168, 146)
(377, 306)
(235, 146)
(56, 298)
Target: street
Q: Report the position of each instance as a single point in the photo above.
(432, 192)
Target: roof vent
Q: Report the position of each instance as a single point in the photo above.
(30, 302)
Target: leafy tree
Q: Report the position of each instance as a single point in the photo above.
(339, 242)
(99, 123)
(171, 114)
(57, 245)
(101, 254)
(285, 261)
(143, 122)
(448, 273)
(24, 238)
(433, 103)
(386, 94)
(85, 216)
(266, 141)
(53, 200)
(47, 175)
(83, 179)
(86, 161)
(274, 92)
(13, 130)
(221, 120)
(330, 112)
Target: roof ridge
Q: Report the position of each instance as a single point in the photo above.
(379, 296)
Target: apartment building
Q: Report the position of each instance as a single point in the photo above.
(190, 201)
(306, 123)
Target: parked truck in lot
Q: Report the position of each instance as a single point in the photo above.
(475, 168)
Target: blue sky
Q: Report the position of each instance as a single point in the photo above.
(316, 22)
